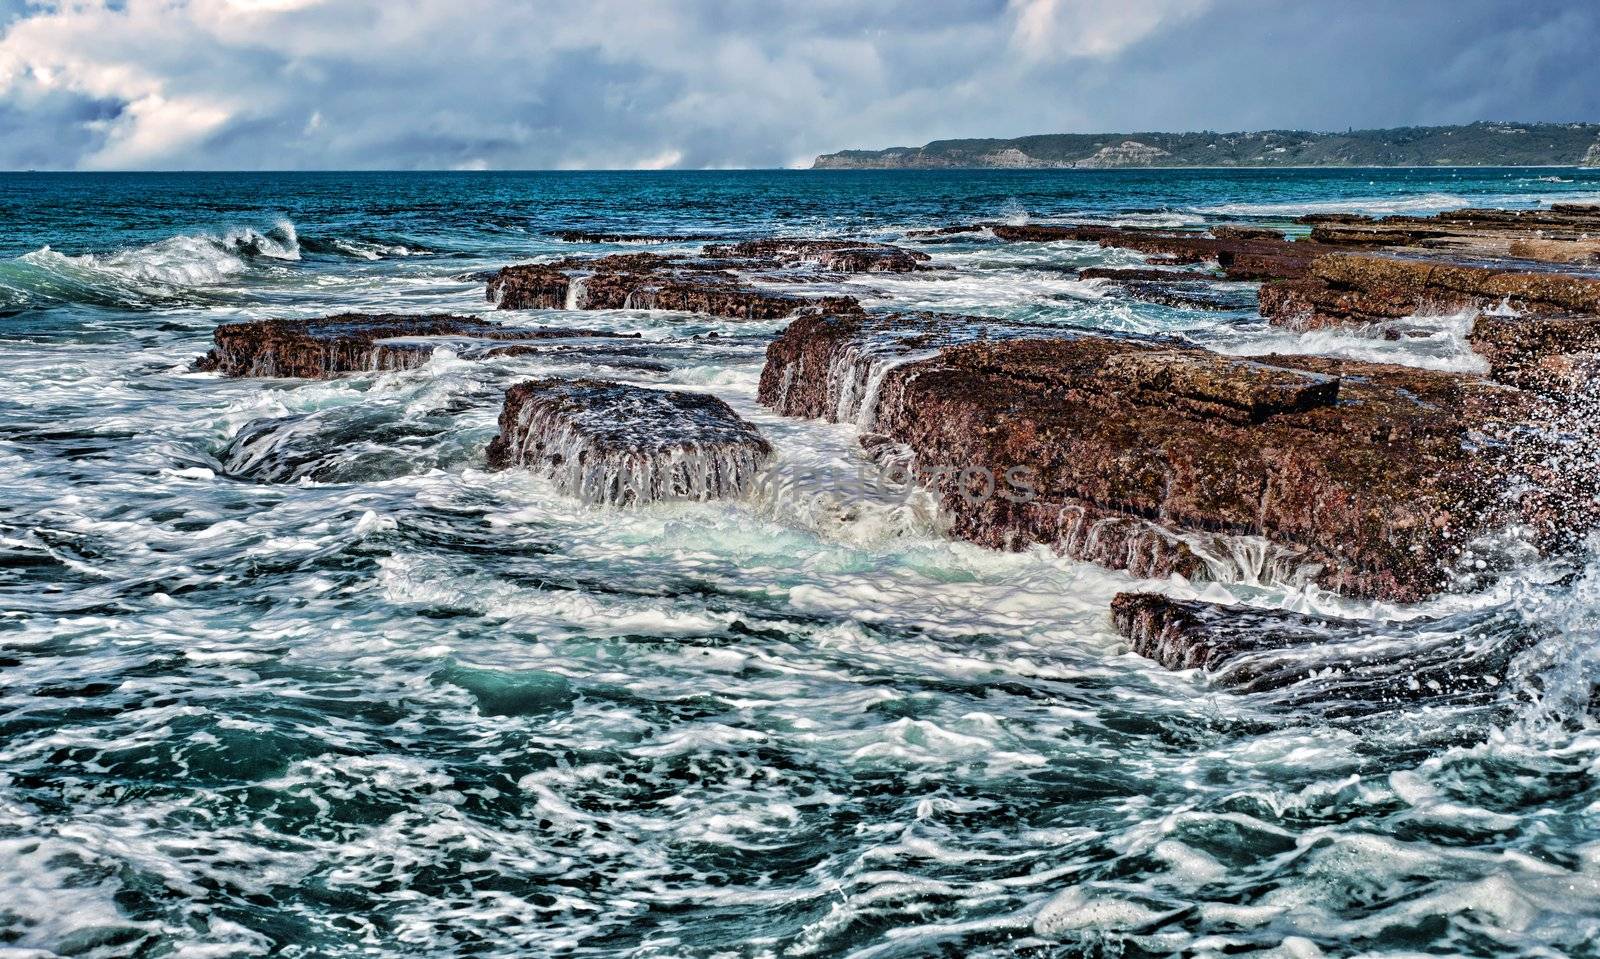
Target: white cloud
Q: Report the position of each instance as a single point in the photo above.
(1093, 28)
(153, 129)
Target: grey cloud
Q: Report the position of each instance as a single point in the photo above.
(611, 83)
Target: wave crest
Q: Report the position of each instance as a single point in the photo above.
(177, 270)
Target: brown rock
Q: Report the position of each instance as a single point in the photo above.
(648, 281)
(1563, 233)
(1369, 288)
(1253, 233)
(353, 342)
(1551, 354)
(1557, 251)
(1377, 474)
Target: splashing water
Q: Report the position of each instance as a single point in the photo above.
(289, 671)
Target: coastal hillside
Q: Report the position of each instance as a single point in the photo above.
(1476, 144)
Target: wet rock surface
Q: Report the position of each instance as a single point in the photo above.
(1368, 478)
(1531, 276)
(648, 281)
(1557, 355)
(1562, 233)
(1353, 289)
(623, 445)
(1342, 665)
(357, 343)
(831, 366)
(842, 256)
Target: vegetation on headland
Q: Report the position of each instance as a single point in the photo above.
(1475, 144)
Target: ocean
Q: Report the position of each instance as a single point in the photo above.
(284, 670)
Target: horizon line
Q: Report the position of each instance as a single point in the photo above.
(814, 169)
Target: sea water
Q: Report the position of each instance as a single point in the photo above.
(284, 670)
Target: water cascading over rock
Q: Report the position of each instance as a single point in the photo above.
(359, 343)
(615, 444)
(649, 281)
(1368, 479)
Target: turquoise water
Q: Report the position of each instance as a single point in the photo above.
(395, 705)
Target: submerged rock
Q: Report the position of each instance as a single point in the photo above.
(346, 444)
(1145, 274)
(1189, 289)
(621, 445)
(1358, 664)
(1241, 253)
(356, 343)
(647, 281)
(591, 236)
(842, 256)
(1368, 478)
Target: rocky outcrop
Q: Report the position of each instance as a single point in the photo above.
(1359, 664)
(1370, 479)
(1555, 355)
(840, 256)
(830, 366)
(620, 445)
(358, 343)
(646, 281)
(1561, 233)
(1354, 289)
(649, 281)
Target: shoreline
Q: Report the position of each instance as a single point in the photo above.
(1118, 169)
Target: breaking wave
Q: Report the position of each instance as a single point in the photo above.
(285, 669)
(362, 247)
(184, 269)
(1422, 203)
(190, 269)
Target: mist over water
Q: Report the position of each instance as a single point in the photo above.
(285, 670)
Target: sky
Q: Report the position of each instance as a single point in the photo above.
(648, 84)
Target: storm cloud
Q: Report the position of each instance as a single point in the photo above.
(362, 84)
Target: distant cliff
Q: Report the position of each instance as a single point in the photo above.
(1476, 144)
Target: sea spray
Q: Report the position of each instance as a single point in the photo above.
(188, 268)
(238, 714)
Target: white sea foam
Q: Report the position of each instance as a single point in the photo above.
(170, 271)
(1425, 203)
(1376, 205)
(1428, 342)
(798, 725)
